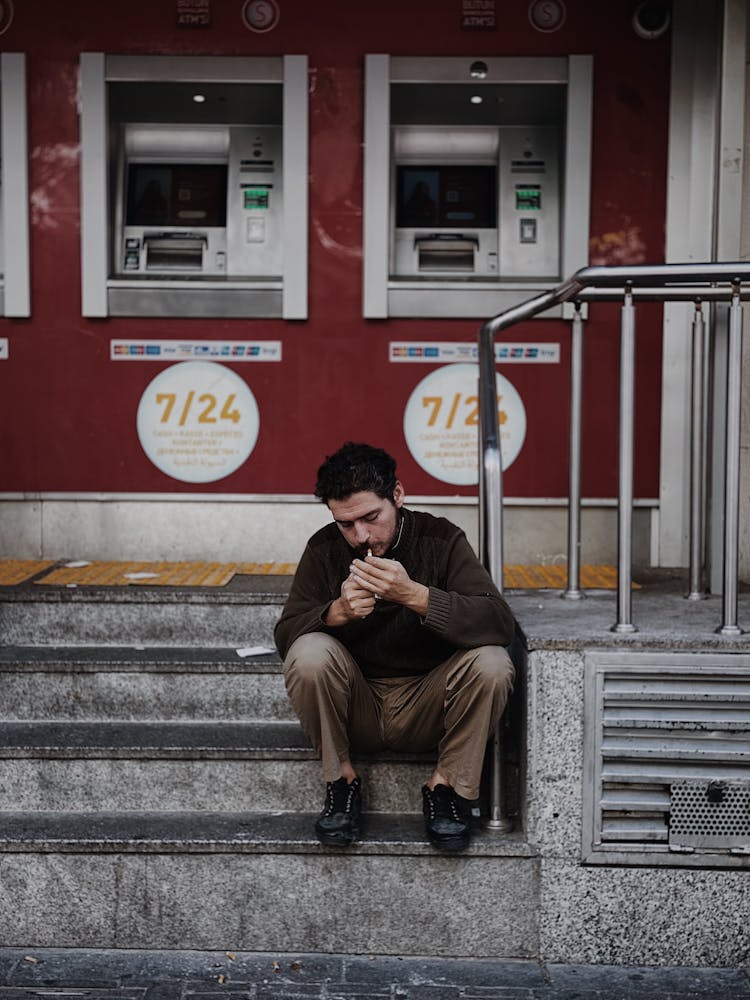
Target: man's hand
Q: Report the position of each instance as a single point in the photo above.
(355, 602)
(387, 579)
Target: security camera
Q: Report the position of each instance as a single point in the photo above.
(651, 18)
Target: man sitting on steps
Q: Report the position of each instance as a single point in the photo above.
(393, 638)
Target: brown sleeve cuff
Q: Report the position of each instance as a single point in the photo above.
(438, 610)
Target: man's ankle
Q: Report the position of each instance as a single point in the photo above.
(437, 779)
(349, 773)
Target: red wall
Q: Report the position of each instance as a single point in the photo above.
(67, 413)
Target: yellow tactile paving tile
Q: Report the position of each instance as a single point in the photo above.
(517, 577)
(153, 574)
(599, 576)
(268, 568)
(13, 571)
(100, 573)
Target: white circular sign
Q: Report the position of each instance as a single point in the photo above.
(198, 421)
(441, 423)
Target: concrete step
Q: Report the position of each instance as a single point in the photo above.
(135, 658)
(156, 616)
(212, 766)
(405, 903)
(155, 791)
(137, 683)
(234, 832)
(212, 740)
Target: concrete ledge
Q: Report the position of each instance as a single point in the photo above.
(241, 833)
(663, 617)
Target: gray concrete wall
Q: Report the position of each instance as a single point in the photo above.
(620, 915)
(260, 530)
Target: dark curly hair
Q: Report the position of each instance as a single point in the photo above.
(356, 468)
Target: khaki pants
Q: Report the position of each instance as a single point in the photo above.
(453, 709)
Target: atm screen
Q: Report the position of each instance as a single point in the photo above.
(176, 194)
(446, 197)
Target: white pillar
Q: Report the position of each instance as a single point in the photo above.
(689, 238)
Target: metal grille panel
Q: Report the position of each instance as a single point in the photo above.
(710, 814)
(660, 728)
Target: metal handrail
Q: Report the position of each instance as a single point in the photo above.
(706, 282)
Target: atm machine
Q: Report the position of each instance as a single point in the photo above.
(476, 182)
(15, 292)
(198, 201)
(476, 203)
(194, 186)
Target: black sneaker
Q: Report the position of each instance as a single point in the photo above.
(447, 824)
(338, 824)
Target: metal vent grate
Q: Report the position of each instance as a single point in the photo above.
(710, 814)
(661, 730)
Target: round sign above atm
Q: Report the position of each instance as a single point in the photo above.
(260, 15)
(6, 15)
(547, 15)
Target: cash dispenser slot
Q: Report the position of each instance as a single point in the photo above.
(446, 252)
(175, 251)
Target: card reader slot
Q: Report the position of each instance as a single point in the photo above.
(175, 252)
(446, 252)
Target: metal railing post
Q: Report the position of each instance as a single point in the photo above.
(732, 466)
(625, 474)
(697, 439)
(573, 590)
(491, 541)
(490, 467)
(497, 818)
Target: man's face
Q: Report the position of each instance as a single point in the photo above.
(368, 521)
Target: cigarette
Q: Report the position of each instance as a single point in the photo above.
(369, 551)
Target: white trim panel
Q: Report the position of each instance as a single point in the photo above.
(295, 185)
(377, 174)
(15, 186)
(94, 212)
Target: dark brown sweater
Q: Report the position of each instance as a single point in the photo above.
(465, 608)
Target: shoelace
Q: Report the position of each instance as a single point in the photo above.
(331, 797)
(450, 803)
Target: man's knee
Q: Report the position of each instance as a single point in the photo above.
(492, 667)
(313, 657)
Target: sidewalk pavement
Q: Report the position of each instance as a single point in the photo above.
(31, 974)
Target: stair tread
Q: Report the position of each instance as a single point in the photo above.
(246, 740)
(241, 832)
(77, 739)
(266, 590)
(163, 659)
